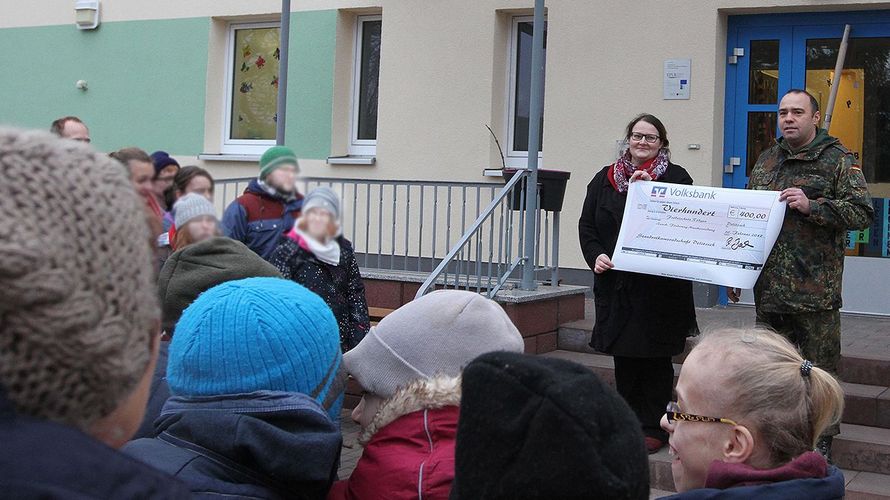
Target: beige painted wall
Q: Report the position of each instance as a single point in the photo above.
(443, 77)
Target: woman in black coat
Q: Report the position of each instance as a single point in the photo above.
(641, 320)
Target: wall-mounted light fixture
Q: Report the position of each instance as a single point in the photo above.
(86, 14)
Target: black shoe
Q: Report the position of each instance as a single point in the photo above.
(823, 446)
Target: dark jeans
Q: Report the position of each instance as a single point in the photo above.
(647, 386)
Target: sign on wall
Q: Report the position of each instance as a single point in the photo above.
(677, 77)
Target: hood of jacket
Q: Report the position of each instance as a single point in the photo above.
(292, 201)
(282, 442)
(812, 150)
(807, 476)
(409, 445)
(422, 394)
(199, 267)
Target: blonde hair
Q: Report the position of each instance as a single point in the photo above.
(766, 390)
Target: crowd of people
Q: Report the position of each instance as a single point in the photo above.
(151, 350)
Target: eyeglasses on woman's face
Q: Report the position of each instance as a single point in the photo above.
(674, 414)
(649, 138)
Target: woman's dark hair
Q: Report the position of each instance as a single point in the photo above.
(181, 181)
(651, 120)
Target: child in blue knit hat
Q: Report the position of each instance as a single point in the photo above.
(256, 375)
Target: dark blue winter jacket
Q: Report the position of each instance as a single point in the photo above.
(258, 218)
(46, 460)
(257, 445)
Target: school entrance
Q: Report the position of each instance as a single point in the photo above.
(769, 54)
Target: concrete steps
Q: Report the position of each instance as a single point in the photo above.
(865, 375)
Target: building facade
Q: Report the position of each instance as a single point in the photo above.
(402, 89)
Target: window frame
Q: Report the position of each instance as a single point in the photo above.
(360, 147)
(514, 158)
(231, 146)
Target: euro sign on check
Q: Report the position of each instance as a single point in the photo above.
(712, 235)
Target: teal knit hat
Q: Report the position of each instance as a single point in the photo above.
(258, 334)
(275, 157)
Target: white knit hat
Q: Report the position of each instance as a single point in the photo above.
(191, 206)
(437, 334)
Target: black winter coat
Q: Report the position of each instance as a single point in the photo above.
(340, 286)
(46, 460)
(637, 315)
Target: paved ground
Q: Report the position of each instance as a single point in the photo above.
(351, 450)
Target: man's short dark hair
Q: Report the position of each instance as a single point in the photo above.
(59, 125)
(813, 101)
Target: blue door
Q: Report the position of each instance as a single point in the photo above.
(775, 53)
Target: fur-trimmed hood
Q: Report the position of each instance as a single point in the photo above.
(409, 445)
(422, 394)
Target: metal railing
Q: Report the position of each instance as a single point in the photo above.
(470, 235)
(491, 250)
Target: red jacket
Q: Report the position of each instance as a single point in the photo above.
(411, 457)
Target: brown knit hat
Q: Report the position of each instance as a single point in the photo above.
(77, 303)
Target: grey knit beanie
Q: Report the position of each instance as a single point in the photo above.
(437, 334)
(77, 300)
(323, 197)
(191, 206)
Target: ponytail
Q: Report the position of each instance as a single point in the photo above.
(770, 389)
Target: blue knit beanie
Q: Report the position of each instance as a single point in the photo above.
(258, 334)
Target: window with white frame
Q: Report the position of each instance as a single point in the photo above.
(366, 73)
(251, 88)
(519, 89)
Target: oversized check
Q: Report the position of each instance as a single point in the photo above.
(713, 235)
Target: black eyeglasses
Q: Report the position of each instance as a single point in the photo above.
(674, 414)
(638, 137)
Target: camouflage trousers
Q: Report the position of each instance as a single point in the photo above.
(817, 336)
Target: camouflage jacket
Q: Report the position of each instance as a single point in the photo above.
(804, 271)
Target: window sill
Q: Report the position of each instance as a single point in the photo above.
(229, 157)
(352, 160)
(493, 172)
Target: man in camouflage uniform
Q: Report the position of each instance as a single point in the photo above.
(798, 293)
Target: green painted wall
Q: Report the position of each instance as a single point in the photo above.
(148, 80)
(310, 88)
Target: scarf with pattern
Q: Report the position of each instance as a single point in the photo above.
(623, 169)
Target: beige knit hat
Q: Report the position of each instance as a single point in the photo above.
(77, 299)
(437, 334)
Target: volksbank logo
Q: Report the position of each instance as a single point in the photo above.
(691, 193)
(659, 192)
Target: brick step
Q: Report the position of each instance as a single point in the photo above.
(857, 369)
(860, 485)
(866, 405)
(375, 314)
